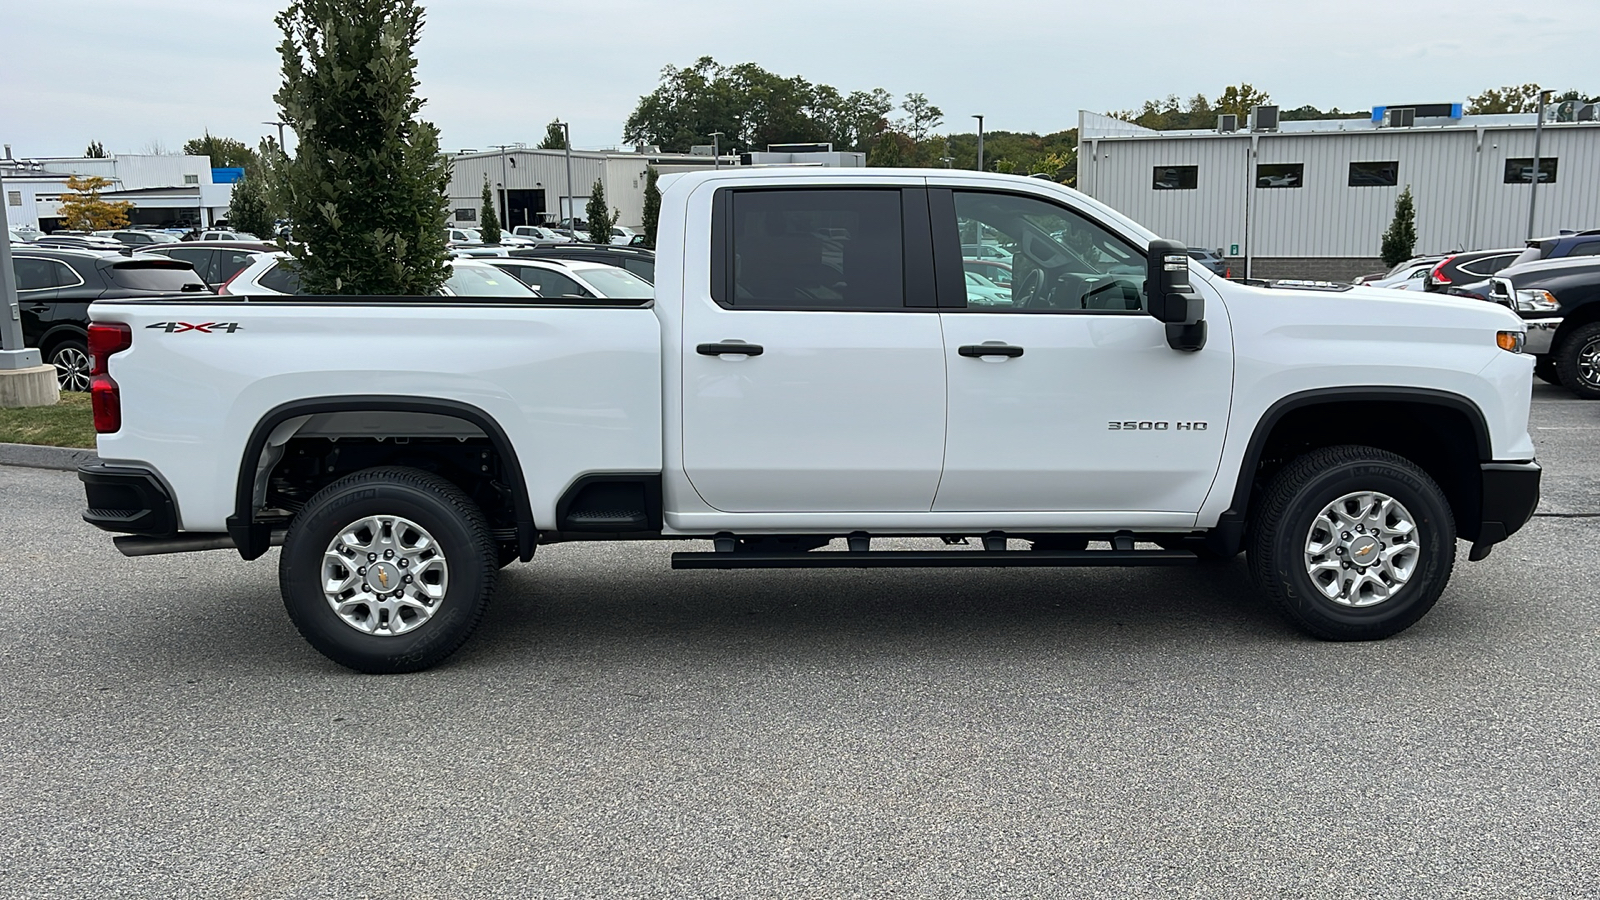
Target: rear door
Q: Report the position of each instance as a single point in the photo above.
(1065, 396)
(37, 280)
(813, 367)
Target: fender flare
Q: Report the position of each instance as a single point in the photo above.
(253, 538)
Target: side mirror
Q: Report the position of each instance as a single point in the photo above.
(1172, 298)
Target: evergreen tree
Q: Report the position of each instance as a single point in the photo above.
(95, 150)
(248, 210)
(652, 206)
(600, 221)
(366, 187)
(489, 224)
(1400, 240)
(555, 138)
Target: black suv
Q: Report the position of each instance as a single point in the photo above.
(55, 286)
(640, 262)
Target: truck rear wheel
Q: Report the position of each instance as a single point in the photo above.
(1352, 543)
(388, 570)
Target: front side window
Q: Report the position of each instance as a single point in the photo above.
(1520, 171)
(1587, 248)
(1059, 261)
(816, 249)
(1280, 175)
(1176, 178)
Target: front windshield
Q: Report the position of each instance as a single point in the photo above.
(485, 281)
(618, 284)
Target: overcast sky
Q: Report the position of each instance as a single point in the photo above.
(132, 73)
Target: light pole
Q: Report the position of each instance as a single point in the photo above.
(13, 355)
(1538, 133)
(280, 123)
(716, 149)
(980, 142)
(505, 186)
(572, 214)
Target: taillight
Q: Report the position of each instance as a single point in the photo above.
(224, 288)
(1437, 274)
(106, 338)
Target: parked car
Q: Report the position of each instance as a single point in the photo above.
(985, 251)
(574, 279)
(400, 449)
(1213, 260)
(269, 275)
(541, 234)
(1571, 243)
(623, 236)
(227, 236)
(983, 292)
(1559, 299)
(1414, 268)
(1467, 272)
(55, 286)
(215, 261)
(637, 260)
(82, 241)
(463, 237)
(992, 269)
(135, 237)
(16, 236)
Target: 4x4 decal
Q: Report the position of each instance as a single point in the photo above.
(204, 327)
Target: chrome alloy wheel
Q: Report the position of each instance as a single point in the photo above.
(72, 368)
(1589, 363)
(1362, 548)
(384, 575)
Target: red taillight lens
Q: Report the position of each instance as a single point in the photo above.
(105, 398)
(1437, 274)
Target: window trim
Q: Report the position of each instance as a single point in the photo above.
(722, 256)
(1299, 182)
(947, 236)
(1155, 180)
(1351, 173)
(1527, 162)
(54, 287)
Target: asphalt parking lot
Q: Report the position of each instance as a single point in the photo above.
(617, 729)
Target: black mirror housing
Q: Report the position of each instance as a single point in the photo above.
(1173, 299)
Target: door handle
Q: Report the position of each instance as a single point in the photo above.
(730, 348)
(38, 308)
(978, 351)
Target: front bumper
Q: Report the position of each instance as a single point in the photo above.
(128, 500)
(1510, 493)
(1541, 335)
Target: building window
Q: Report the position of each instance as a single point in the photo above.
(1175, 178)
(191, 179)
(13, 198)
(1280, 175)
(1374, 174)
(1520, 171)
(466, 215)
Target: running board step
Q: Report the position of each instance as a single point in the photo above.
(915, 559)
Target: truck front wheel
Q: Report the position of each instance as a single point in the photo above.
(1578, 361)
(1352, 543)
(388, 570)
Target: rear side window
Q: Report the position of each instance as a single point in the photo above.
(281, 278)
(34, 274)
(149, 277)
(643, 268)
(814, 249)
(228, 263)
(1587, 248)
(199, 257)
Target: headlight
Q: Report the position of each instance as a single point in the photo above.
(1511, 340)
(1536, 301)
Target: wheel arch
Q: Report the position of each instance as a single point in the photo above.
(1444, 433)
(253, 538)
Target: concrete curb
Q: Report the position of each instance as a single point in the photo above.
(42, 457)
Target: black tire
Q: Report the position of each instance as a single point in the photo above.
(1578, 374)
(440, 508)
(71, 359)
(1296, 499)
(1544, 369)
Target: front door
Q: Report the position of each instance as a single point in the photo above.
(813, 368)
(1081, 406)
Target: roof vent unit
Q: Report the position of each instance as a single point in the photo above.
(1227, 124)
(1400, 116)
(1589, 112)
(1264, 118)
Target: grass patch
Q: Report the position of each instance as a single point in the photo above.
(69, 423)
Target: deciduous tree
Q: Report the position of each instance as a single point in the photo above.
(249, 209)
(225, 153)
(366, 187)
(84, 210)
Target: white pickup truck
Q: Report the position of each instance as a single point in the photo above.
(815, 367)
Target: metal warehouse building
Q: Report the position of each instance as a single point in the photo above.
(1312, 199)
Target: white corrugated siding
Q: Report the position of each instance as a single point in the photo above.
(1462, 201)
